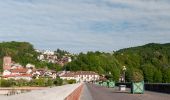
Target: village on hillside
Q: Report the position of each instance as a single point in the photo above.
(12, 70)
(51, 57)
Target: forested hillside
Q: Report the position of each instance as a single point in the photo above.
(152, 61)
(23, 53)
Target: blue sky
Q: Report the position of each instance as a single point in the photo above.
(85, 25)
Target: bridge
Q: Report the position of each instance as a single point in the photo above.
(94, 92)
(85, 91)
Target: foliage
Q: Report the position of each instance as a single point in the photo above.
(102, 63)
(60, 53)
(137, 75)
(166, 75)
(41, 82)
(7, 83)
(152, 61)
(157, 76)
(58, 81)
(148, 71)
(23, 53)
(71, 81)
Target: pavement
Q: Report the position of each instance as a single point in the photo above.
(55, 93)
(94, 92)
(85, 95)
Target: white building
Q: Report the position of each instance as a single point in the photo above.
(6, 72)
(81, 76)
(69, 59)
(17, 77)
(48, 52)
(30, 66)
(41, 57)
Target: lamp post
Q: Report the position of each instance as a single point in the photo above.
(124, 70)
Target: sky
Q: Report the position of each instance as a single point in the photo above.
(85, 25)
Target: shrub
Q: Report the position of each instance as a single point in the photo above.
(58, 81)
(72, 81)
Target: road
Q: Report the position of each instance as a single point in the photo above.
(94, 92)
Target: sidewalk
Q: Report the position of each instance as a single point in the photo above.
(55, 93)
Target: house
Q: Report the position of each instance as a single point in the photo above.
(68, 76)
(60, 73)
(17, 77)
(86, 76)
(14, 70)
(30, 66)
(6, 72)
(16, 66)
(81, 76)
(44, 73)
(18, 71)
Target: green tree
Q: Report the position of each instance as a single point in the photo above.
(148, 71)
(157, 76)
(166, 75)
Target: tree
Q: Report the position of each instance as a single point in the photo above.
(148, 71)
(157, 78)
(116, 74)
(166, 75)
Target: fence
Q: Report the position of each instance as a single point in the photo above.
(156, 87)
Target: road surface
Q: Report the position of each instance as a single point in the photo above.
(94, 92)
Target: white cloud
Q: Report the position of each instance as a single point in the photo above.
(81, 25)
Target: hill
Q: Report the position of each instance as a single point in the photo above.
(152, 61)
(23, 53)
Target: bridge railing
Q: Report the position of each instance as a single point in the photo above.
(156, 87)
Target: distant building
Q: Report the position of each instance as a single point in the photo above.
(41, 57)
(81, 76)
(48, 52)
(16, 71)
(30, 66)
(7, 62)
(17, 77)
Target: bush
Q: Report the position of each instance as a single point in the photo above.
(137, 76)
(7, 83)
(22, 82)
(72, 81)
(42, 82)
(58, 81)
(49, 82)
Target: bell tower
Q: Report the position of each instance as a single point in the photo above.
(7, 61)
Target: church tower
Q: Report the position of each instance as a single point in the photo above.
(7, 61)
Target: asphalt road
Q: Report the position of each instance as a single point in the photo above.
(94, 92)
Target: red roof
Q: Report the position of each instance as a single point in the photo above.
(85, 73)
(23, 75)
(72, 74)
(23, 70)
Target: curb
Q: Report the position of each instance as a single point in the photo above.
(75, 95)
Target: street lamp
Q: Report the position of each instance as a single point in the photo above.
(124, 70)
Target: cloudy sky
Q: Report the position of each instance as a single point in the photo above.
(85, 25)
